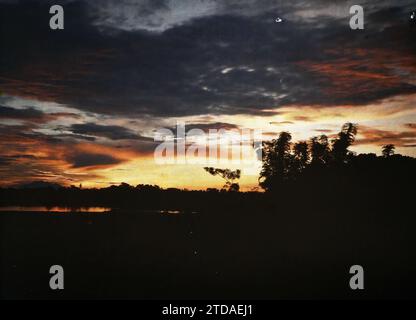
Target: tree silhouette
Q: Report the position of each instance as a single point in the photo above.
(319, 147)
(388, 150)
(345, 139)
(228, 175)
(276, 160)
(301, 156)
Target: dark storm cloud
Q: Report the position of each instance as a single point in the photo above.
(200, 57)
(24, 114)
(10, 159)
(82, 159)
(106, 131)
(207, 126)
(32, 114)
(75, 136)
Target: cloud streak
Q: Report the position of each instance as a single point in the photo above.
(106, 131)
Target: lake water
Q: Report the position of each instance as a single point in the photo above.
(58, 209)
(54, 209)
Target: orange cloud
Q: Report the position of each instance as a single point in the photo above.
(357, 71)
(368, 135)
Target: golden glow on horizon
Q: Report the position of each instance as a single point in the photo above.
(379, 123)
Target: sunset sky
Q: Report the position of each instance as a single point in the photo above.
(81, 105)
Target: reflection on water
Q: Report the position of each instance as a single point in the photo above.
(171, 212)
(55, 209)
(59, 209)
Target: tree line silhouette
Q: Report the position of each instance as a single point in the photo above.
(324, 172)
(283, 160)
(319, 172)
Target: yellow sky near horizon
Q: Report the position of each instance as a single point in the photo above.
(124, 160)
(378, 124)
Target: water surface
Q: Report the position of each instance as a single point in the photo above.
(54, 209)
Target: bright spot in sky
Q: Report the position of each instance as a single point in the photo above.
(226, 70)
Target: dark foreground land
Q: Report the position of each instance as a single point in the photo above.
(297, 241)
(298, 245)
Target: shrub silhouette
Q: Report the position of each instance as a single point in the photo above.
(228, 175)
